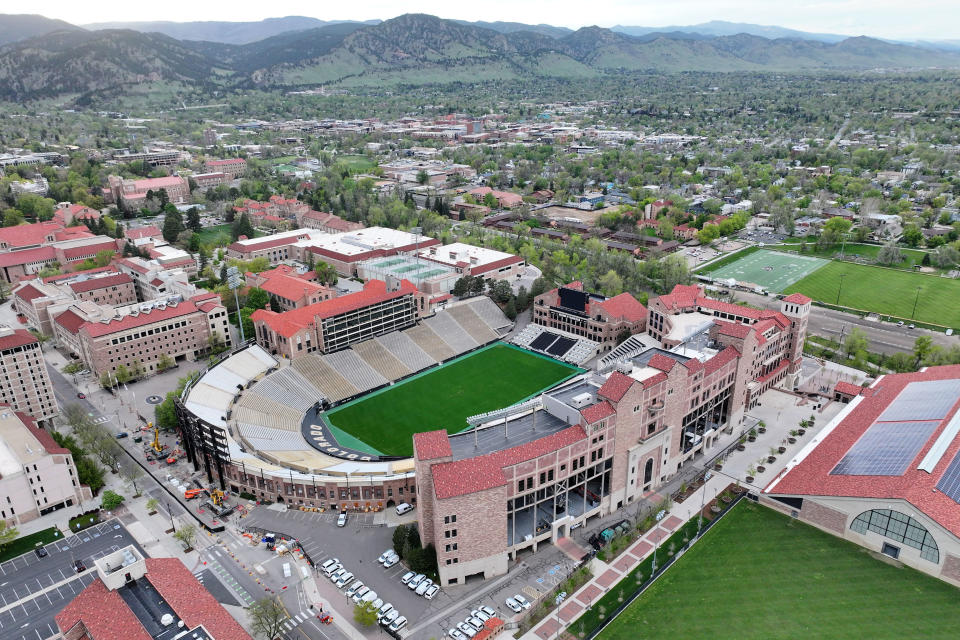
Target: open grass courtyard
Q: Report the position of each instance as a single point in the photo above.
(885, 291)
(759, 574)
(443, 398)
(772, 270)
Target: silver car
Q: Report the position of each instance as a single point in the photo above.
(413, 584)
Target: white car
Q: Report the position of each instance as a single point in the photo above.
(361, 594)
(403, 508)
(514, 605)
(376, 604)
(413, 584)
(476, 623)
(479, 615)
(344, 580)
(329, 563)
(336, 573)
(342, 519)
(422, 588)
(523, 602)
(392, 560)
(386, 554)
(398, 624)
(466, 629)
(432, 591)
(389, 617)
(488, 610)
(384, 610)
(357, 584)
(407, 577)
(456, 634)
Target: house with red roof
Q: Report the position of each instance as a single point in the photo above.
(289, 289)
(884, 473)
(138, 598)
(66, 213)
(606, 321)
(505, 199)
(337, 323)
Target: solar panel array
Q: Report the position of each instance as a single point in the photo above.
(949, 483)
(928, 400)
(886, 449)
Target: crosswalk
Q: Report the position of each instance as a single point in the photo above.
(199, 575)
(299, 618)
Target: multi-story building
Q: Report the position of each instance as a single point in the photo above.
(289, 289)
(327, 222)
(24, 382)
(37, 476)
(331, 325)
(136, 340)
(233, 168)
(132, 193)
(41, 300)
(469, 260)
(275, 248)
(590, 315)
(138, 598)
(155, 281)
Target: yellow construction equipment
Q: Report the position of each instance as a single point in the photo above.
(217, 496)
(155, 445)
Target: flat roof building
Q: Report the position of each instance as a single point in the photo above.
(25, 382)
(468, 260)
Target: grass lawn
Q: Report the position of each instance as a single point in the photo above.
(885, 291)
(911, 257)
(23, 544)
(211, 234)
(759, 574)
(771, 270)
(361, 164)
(445, 397)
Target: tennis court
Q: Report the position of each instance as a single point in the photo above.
(772, 270)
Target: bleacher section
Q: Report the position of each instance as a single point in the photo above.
(263, 438)
(211, 399)
(451, 332)
(472, 323)
(249, 363)
(282, 387)
(556, 344)
(406, 350)
(625, 350)
(430, 342)
(348, 364)
(258, 410)
(380, 359)
(327, 381)
(490, 313)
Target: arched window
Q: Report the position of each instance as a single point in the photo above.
(900, 527)
(648, 471)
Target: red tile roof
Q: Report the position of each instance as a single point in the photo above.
(28, 256)
(471, 475)
(728, 307)
(25, 235)
(624, 306)
(811, 475)
(430, 445)
(797, 298)
(655, 379)
(220, 163)
(682, 296)
(70, 321)
(28, 292)
(89, 250)
(143, 232)
(18, 338)
(722, 358)
(46, 440)
(662, 362)
(733, 329)
(96, 329)
(104, 614)
(100, 283)
(73, 274)
(289, 287)
(616, 386)
(847, 388)
(598, 411)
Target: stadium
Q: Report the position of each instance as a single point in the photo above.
(298, 430)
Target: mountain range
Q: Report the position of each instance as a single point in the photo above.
(60, 59)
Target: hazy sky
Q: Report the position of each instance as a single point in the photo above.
(895, 19)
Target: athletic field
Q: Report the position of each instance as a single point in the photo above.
(886, 291)
(443, 398)
(760, 574)
(772, 270)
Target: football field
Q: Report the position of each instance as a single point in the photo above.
(444, 397)
(772, 270)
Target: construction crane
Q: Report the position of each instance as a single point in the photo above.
(155, 445)
(217, 496)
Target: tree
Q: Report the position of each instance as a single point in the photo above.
(242, 227)
(4, 290)
(111, 500)
(422, 177)
(837, 225)
(400, 536)
(708, 234)
(152, 505)
(523, 299)
(187, 535)
(267, 616)
(365, 614)
(461, 287)
(511, 309)
(164, 362)
(610, 283)
(193, 219)
(12, 218)
(476, 286)
(922, 347)
(500, 291)
(945, 256)
(7, 534)
(857, 343)
(781, 219)
(912, 235)
(172, 226)
(889, 254)
(257, 299)
(248, 327)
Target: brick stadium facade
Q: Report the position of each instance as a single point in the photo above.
(590, 315)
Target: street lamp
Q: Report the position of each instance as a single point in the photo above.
(840, 288)
(656, 545)
(915, 301)
(234, 282)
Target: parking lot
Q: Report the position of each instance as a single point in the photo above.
(33, 589)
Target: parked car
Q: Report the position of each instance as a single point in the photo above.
(354, 588)
(390, 616)
(456, 634)
(488, 610)
(384, 610)
(392, 560)
(466, 629)
(407, 577)
(398, 624)
(344, 580)
(413, 584)
(41, 552)
(386, 554)
(360, 593)
(432, 591)
(523, 602)
(82, 396)
(403, 508)
(479, 615)
(342, 519)
(514, 605)
(476, 623)
(332, 569)
(422, 588)
(122, 434)
(79, 567)
(329, 563)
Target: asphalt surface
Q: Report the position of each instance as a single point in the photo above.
(33, 590)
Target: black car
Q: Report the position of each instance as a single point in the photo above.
(41, 552)
(79, 567)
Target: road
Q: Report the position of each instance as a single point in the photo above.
(836, 138)
(884, 337)
(33, 590)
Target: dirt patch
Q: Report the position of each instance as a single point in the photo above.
(587, 216)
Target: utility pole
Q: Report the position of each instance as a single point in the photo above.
(234, 282)
(840, 288)
(916, 300)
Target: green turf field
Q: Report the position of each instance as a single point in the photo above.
(772, 270)
(760, 574)
(443, 398)
(885, 291)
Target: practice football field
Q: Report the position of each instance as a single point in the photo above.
(443, 398)
(760, 574)
(772, 270)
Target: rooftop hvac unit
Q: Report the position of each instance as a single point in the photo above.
(581, 400)
(624, 367)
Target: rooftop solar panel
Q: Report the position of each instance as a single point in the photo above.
(885, 449)
(928, 400)
(949, 483)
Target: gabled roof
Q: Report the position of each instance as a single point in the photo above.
(430, 445)
(101, 283)
(70, 321)
(847, 388)
(151, 231)
(616, 386)
(624, 306)
(722, 358)
(733, 329)
(662, 362)
(28, 293)
(797, 298)
(596, 412)
(18, 338)
(25, 235)
(28, 256)
(96, 329)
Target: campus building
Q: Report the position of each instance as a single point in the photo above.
(885, 472)
(468, 260)
(289, 289)
(133, 193)
(37, 476)
(590, 315)
(28, 248)
(40, 301)
(24, 382)
(138, 598)
(232, 168)
(337, 323)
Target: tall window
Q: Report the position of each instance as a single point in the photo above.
(648, 471)
(900, 527)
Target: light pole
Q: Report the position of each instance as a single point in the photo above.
(915, 301)
(656, 545)
(840, 288)
(234, 282)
